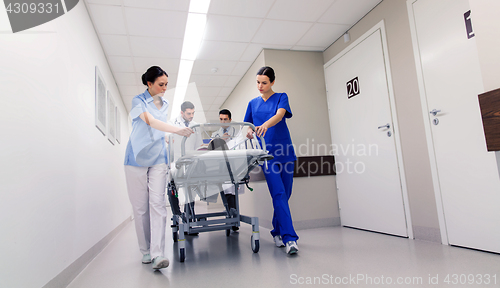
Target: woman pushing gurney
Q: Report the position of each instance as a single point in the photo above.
(208, 170)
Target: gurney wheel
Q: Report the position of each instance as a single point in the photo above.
(182, 254)
(228, 232)
(255, 245)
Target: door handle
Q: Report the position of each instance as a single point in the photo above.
(384, 126)
(434, 112)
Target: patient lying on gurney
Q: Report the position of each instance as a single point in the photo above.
(201, 164)
(232, 138)
(226, 133)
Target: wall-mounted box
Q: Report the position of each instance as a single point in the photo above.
(489, 103)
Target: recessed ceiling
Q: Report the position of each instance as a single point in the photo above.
(136, 34)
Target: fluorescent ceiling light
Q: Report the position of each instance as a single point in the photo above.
(184, 69)
(181, 87)
(199, 6)
(195, 29)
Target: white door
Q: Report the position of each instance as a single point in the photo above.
(451, 81)
(368, 176)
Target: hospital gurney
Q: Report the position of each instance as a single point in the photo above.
(206, 172)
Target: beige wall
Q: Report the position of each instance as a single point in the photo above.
(244, 91)
(300, 75)
(485, 23)
(408, 106)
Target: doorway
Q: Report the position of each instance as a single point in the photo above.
(465, 174)
(370, 179)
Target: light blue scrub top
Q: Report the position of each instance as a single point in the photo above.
(140, 138)
(278, 140)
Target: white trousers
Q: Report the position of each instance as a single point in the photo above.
(146, 190)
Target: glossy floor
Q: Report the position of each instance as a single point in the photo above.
(331, 256)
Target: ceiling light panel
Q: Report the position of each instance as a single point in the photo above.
(232, 81)
(185, 68)
(209, 91)
(241, 8)
(126, 78)
(322, 35)
(219, 101)
(199, 6)
(300, 10)
(121, 64)
(206, 101)
(242, 67)
(160, 47)
(105, 2)
(251, 52)
(208, 80)
(206, 66)
(214, 108)
(216, 50)
(160, 23)
(108, 19)
(171, 5)
(233, 29)
(281, 32)
(225, 91)
(195, 29)
(344, 12)
(115, 45)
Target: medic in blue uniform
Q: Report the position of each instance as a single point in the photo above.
(146, 165)
(268, 113)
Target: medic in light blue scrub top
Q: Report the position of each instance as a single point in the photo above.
(146, 166)
(268, 113)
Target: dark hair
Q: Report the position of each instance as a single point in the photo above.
(186, 105)
(225, 112)
(267, 71)
(151, 75)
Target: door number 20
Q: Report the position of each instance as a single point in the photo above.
(352, 87)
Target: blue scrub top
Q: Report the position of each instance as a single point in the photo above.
(144, 138)
(278, 140)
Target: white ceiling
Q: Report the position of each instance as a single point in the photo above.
(136, 34)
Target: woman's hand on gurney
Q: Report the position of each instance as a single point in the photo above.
(184, 132)
(261, 130)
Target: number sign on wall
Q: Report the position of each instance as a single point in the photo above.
(352, 88)
(468, 25)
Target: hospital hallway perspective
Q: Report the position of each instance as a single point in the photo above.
(397, 176)
(329, 256)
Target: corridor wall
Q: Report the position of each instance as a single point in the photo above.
(63, 186)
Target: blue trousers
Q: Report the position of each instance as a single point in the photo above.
(279, 177)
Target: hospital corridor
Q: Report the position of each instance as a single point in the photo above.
(250, 143)
(334, 256)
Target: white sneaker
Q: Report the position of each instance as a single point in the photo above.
(278, 242)
(291, 247)
(146, 259)
(160, 262)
